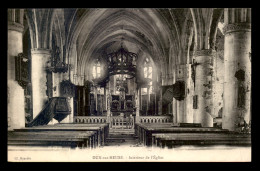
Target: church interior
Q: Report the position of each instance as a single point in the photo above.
(163, 78)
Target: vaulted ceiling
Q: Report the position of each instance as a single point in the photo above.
(164, 35)
(141, 31)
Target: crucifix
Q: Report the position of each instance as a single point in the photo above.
(193, 68)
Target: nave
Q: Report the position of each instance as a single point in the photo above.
(93, 79)
(82, 143)
(98, 135)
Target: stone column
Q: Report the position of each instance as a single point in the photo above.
(140, 98)
(237, 78)
(84, 101)
(137, 103)
(160, 103)
(71, 115)
(188, 99)
(180, 111)
(95, 96)
(203, 87)
(180, 104)
(218, 82)
(174, 110)
(39, 78)
(174, 101)
(15, 93)
(108, 94)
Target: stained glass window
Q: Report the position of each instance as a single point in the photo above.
(148, 73)
(96, 70)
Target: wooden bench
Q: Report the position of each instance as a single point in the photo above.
(100, 131)
(172, 139)
(103, 129)
(145, 131)
(56, 138)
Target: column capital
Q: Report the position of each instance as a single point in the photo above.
(205, 52)
(15, 26)
(41, 51)
(234, 27)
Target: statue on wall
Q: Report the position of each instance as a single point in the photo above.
(240, 75)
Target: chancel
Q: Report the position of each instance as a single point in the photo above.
(93, 78)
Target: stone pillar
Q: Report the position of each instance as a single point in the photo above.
(108, 94)
(218, 83)
(203, 87)
(180, 111)
(84, 102)
(174, 108)
(39, 78)
(160, 103)
(108, 108)
(188, 99)
(174, 101)
(140, 98)
(180, 105)
(71, 115)
(15, 93)
(137, 103)
(237, 78)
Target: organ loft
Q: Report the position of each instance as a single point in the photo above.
(150, 74)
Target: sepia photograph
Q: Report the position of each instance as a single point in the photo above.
(129, 85)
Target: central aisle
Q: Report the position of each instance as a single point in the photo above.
(122, 137)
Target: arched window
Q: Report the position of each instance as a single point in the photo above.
(96, 70)
(148, 73)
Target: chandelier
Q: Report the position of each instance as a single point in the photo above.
(122, 62)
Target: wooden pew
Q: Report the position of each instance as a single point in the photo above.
(172, 139)
(56, 138)
(103, 130)
(100, 130)
(145, 131)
